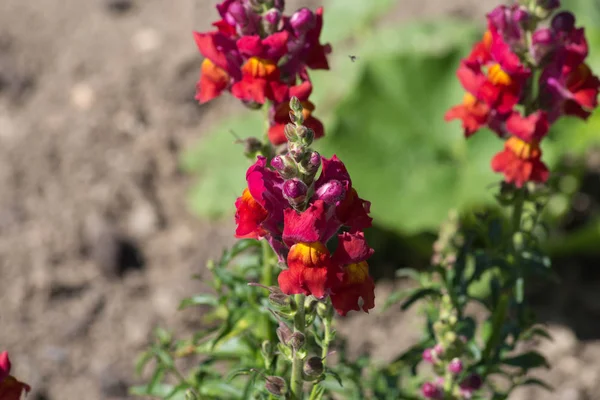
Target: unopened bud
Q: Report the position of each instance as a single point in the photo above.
(296, 150)
(302, 21)
(296, 341)
(563, 22)
(236, 14)
(272, 17)
(276, 385)
(284, 333)
(431, 391)
(295, 191)
(290, 132)
(520, 16)
(455, 366)
(285, 166)
(279, 299)
(313, 367)
(295, 105)
(306, 135)
(331, 192)
(438, 350)
(428, 356)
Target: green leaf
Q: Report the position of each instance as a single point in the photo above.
(344, 18)
(221, 165)
(220, 390)
(142, 361)
(335, 375)
(418, 295)
(201, 299)
(527, 361)
(177, 390)
(160, 390)
(238, 372)
(537, 382)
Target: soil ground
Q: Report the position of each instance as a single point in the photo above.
(96, 245)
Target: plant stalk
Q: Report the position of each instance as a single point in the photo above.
(296, 382)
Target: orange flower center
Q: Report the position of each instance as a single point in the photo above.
(497, 76)
(259, 67)
(487, 39)
(523, 149)
(310, 255)
(357, 273)
(212, 72)
(469, 100)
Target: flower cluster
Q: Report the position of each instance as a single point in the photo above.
(300, 214)
(262, 56)
(10, 387)
(501, 75)
(446, 357)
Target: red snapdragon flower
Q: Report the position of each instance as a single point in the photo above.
(259, 210)
(357, 289)
(261, 78)
(493, 77)
(10, 387)
(520, 162)
(350, 210)
(310, 268)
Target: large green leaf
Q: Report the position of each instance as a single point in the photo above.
(401, 153)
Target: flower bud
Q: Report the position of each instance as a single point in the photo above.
(271, 20)
(306, 135)
(276, 385)
(284, 333)
(428, 356)
(331, 192)
(438, 350)
(236, 14)
(455, 366)
(285, 166)
(563, 22)
(302, 21)
(290, 132)
(295, 105)
(294, 190)
(520, 16)
(296, 150)
(279, 299)
(313, 367)
(431, 391)
(296, 340)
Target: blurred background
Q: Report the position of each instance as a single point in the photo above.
(116, 186)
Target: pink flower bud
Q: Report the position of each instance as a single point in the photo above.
(273, 16)
(563, 22)
(236, 14)
(295, 190)
(520, 15)
(331, 192)
(302, 21)
(428, 355)
(438, 349)
(285, 166)
(456, 366)
(431, 391)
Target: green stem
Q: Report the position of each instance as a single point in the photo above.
(325, 344)
(297, 383)
(267, 280)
